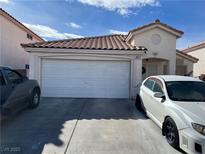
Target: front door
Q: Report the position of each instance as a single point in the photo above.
(16, 90)
(152, 69)
(4, 90)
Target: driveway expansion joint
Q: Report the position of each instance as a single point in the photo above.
(81, 111)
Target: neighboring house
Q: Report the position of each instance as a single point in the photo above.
(12, 34)
(185, 64)
(110, 66)
(197, 51)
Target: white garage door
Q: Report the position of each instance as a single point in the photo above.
(85, 79)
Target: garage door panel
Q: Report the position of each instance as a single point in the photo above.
(88, 93)
(92, 79)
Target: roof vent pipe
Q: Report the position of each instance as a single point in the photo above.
(157, 21)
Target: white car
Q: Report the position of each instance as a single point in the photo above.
(177, 105)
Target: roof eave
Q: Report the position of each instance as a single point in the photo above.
(19, 24)
(176, 33)
(194, 47)
(188, 57)
(85, 51)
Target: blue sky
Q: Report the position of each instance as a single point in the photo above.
(60, 19)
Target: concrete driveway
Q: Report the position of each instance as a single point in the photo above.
(77, 126)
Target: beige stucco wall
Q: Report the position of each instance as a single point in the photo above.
(199, 67)
(11, 53)
(166, 49)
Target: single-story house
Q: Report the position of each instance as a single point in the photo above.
(110, 66)
(197, 51)
(12, 34)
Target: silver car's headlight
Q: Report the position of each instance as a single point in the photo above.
(199, 128)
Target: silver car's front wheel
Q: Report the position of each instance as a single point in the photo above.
(35, 98)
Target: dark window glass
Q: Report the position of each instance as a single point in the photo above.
(186, 91)
(29, 37)
(149, 84)
(2, 81)
(12, 76)
(157, 88)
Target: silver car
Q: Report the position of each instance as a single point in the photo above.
(17, 92)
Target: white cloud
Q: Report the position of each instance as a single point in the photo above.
(48, 32)
(121, 6)
(112, 31)
(72, 35)
(5, 1)
(124, 11)
(73, 25)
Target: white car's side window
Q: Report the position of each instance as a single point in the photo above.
(149, 84)
(157, 88)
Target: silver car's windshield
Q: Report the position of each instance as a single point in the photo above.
(186, 91)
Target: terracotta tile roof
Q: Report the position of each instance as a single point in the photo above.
(187, 56)
(19, 24)
(107, 42)
(194, 47)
